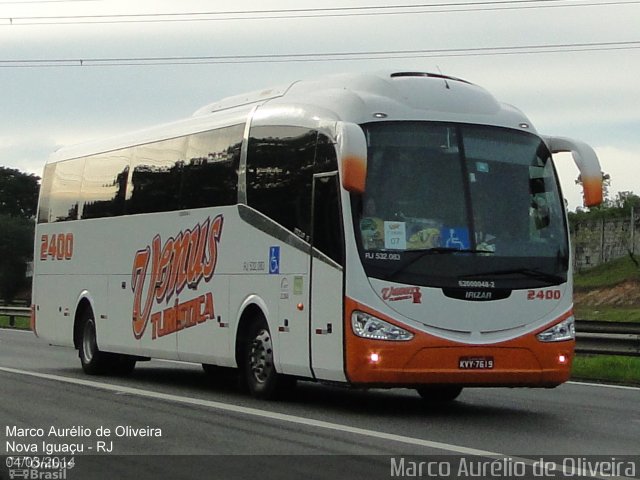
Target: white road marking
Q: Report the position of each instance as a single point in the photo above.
(605, 385)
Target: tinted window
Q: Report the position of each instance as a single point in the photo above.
(45, 194)
(104, 184)
(327, 218)
(279, 175)
(157, 175)
(326, 160)
(210, 173)
(194, 171)
(65, 190)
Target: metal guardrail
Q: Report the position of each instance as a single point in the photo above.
(608, 338)
(594, 337)
(13, 312)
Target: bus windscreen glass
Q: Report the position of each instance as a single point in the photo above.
(449, 205)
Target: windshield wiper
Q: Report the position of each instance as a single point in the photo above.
(423, 252)
(527, 272)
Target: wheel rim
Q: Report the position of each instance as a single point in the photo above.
(261, 356)
(88, 341)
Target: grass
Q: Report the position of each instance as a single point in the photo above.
(609, 368)
(607, 274)
(20, 322)
(607, 313)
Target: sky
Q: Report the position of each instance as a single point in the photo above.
(79, 70)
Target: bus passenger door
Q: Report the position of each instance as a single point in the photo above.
(327, 279)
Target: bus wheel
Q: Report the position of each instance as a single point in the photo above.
(259, 370)
(439, 395)
(94, 362)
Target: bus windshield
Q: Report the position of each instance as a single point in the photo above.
(448, 205)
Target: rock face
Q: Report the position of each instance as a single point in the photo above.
(625, 294)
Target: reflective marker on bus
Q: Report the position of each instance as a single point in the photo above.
(385, 230)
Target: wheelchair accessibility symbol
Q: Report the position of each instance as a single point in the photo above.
(274, 259)
(455, 237)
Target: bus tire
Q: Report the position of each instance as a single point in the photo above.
(260, 375)
(439, 395)
(93, 361)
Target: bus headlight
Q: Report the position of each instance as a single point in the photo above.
(368, 326)
(565, 330)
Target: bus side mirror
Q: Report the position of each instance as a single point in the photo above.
(352, 155)
(588, 164)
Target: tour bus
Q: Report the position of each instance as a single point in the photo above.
(372, 230)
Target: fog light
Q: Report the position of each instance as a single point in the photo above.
(562, 359)
(374, 357)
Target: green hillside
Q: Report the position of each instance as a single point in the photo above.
(608, 274)
(610, 292)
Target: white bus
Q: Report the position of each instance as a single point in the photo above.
(385, 230)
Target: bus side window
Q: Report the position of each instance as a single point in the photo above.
(327, 216)
(157, 177)
(65, 190)
(326, 159)
(45, 193)
(279, 175)
(210, 174)
(104, 184)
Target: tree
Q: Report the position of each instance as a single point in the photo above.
(18, 204)
(16, 251)
(619, 207)
(18, 193)
(626, 201)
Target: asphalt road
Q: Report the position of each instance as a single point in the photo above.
(170, 420)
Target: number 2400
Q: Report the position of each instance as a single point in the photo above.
(58, 246)
(543, 294)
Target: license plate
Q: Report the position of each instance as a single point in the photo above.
(475, 363)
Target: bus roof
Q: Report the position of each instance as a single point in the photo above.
(392, 96)
(355, 98)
